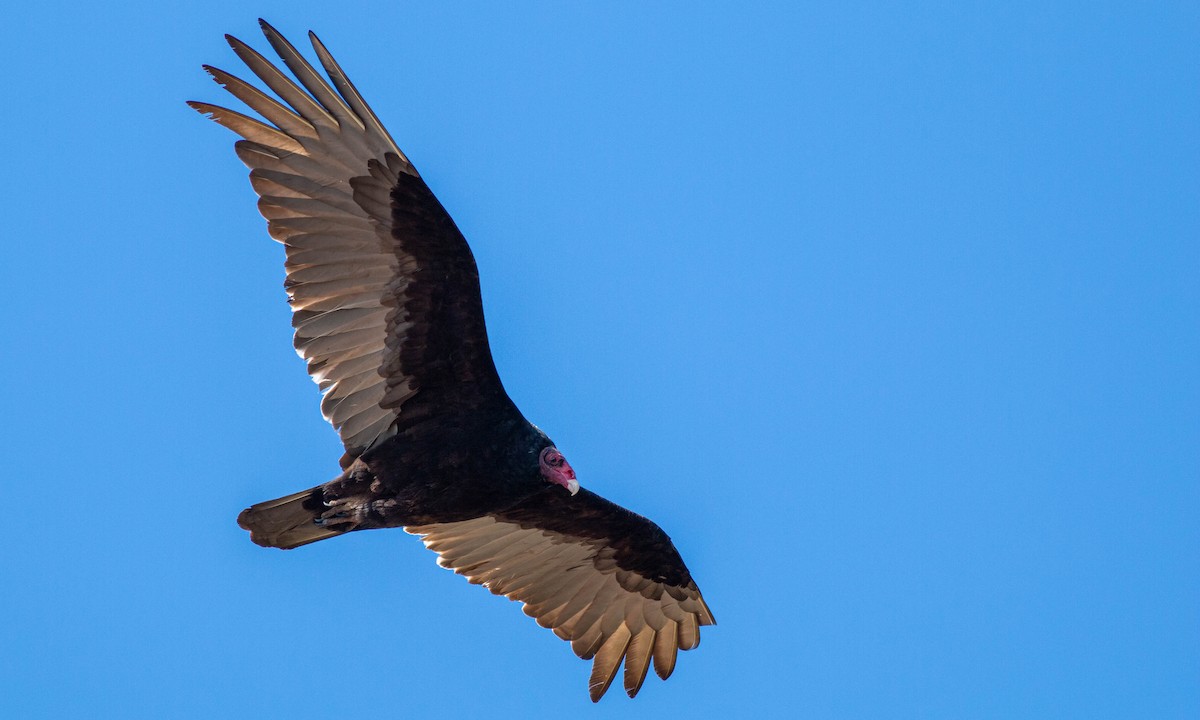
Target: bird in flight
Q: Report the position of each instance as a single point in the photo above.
(387, 313)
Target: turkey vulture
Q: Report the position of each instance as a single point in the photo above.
(387, 312)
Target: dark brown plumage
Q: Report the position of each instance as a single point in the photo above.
(388, 315)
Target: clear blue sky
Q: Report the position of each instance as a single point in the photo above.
(891, 318)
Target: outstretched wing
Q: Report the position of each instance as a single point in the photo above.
(383, 287)
(605, 579)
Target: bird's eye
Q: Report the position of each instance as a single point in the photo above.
(551, 457)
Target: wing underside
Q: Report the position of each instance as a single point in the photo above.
(581, 587)
(383, 287)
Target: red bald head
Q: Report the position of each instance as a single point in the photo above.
(557, 470)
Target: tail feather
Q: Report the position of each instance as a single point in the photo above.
(287, 522)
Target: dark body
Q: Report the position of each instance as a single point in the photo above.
(406, 481)
(388, 316)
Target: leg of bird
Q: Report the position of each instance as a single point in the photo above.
(343, 514)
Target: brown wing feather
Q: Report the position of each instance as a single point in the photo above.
(606, 580)
(383, 287)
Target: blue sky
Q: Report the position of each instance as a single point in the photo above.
(890, 317)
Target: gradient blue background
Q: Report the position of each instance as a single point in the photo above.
(891, 317)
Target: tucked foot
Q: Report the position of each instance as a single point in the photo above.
(341, 515)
